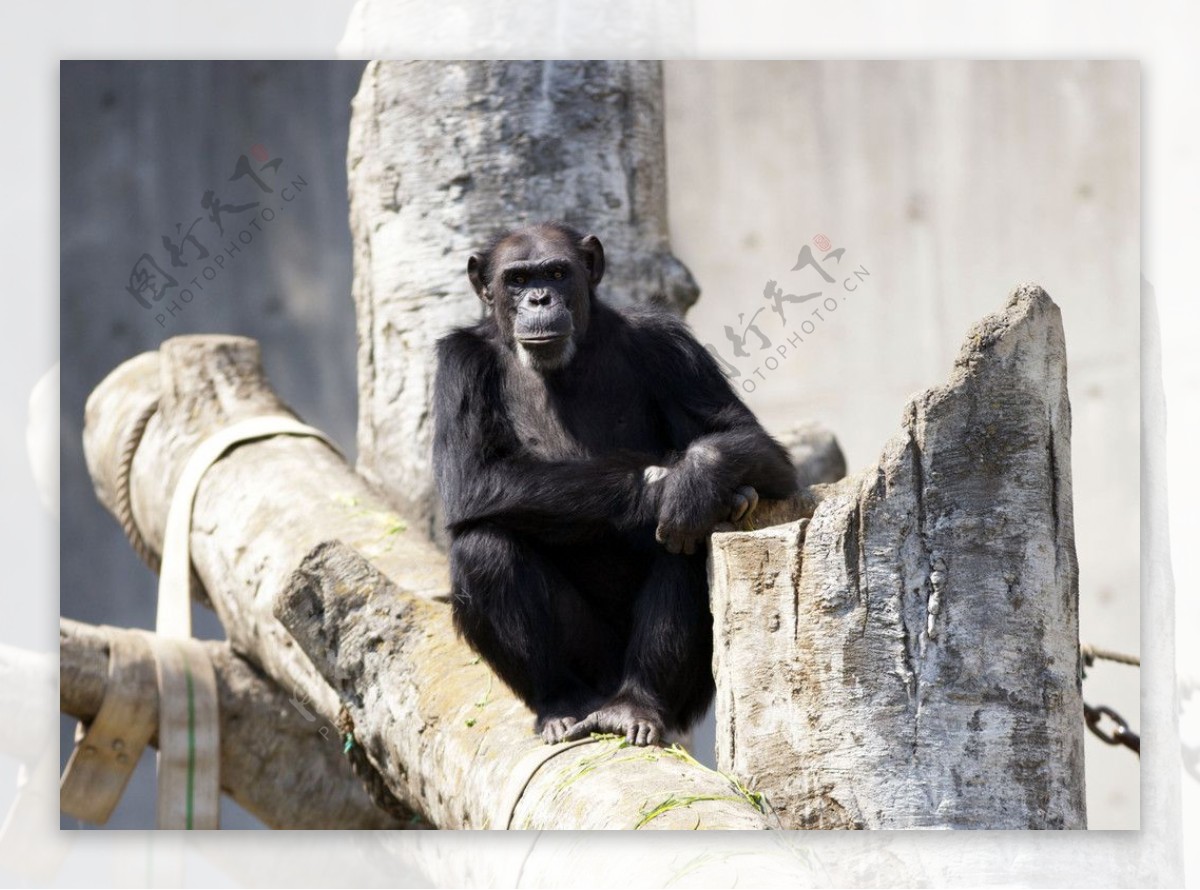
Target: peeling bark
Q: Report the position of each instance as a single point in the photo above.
(908, 657)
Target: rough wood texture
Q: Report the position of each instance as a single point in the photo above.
(410, 684)
(275, 761)
(259, 509)
(909, 656)
(455, 744)
(444, 155)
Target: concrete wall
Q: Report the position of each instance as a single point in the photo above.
(141, 144)
(950, 182)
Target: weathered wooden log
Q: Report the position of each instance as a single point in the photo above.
(269, 508)
(259, 510)
(426, 708)
(909, 657)
(276, 757)
(444, 154)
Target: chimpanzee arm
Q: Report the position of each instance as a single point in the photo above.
(723, 445)
(484, 474)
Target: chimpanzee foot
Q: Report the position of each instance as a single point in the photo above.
(639, 725)
(554, 729)
(556, 718)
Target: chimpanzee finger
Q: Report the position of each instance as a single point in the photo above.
(674, 543)
(751, 495)
(660, 534)
(740, 505)
(556, 729)
(650, 475)
(724, 527)
(653, 736)
(581, 730)
(689, 545)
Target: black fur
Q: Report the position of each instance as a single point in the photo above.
(558, 579)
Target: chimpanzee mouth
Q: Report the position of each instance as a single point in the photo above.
(541, 339)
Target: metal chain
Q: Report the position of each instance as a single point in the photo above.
(1120, 734)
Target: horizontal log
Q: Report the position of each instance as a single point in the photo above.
(278, 760)
(427, 709)
(259, 509)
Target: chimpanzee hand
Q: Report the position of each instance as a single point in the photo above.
(745, 502)
(692, 500)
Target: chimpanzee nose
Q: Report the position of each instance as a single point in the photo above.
(539, 298)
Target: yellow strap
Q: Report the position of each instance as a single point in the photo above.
(188, 721)
(105, 756)
(189, 742)
(174, 595)
(172, 666)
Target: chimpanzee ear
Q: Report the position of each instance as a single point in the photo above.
(593, 258)
(475, 273)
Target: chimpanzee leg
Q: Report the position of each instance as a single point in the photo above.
(669, 660)
(668, 680)
(529, 624)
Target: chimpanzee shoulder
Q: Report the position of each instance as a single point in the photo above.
(467, 342)
(664, 340)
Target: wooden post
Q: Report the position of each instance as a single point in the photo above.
(909, 656)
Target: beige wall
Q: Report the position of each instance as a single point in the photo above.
(950, 182)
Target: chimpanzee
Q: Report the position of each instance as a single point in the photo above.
(583, 455)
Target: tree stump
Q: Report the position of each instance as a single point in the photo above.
(909, 656)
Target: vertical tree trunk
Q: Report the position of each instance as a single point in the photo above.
(910, 656)
(444, 155)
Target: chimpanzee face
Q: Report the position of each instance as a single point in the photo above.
(538, 283)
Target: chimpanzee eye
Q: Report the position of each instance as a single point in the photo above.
(519, 279)
(558, 274)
